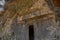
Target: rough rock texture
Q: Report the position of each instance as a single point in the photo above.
(20, 14)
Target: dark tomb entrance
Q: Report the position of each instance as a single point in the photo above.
(0, 38)
(31, 32)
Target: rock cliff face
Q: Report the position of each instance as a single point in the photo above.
(20, 14)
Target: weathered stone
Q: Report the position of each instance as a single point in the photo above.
(15, 22)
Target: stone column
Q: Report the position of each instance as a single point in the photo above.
(22, 32)
(39, 31)
(36, 33)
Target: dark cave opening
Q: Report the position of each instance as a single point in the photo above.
(31, 32)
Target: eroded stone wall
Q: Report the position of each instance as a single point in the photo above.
(43, 30)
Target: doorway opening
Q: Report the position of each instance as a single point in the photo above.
(31, 32)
